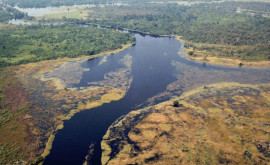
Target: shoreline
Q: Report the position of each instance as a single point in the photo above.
(129, 30)
(60, 61)
(154, 121)
(227, 62)
(73, 112)
(47, 66)
(51, 138)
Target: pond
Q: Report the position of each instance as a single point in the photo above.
(159, 73)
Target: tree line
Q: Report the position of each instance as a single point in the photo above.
(24, 44)
(214, 23)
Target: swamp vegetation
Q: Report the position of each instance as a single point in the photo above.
(223, 123)
(41, 63)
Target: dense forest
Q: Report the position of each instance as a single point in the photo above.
(211, 23)
(24, 44)
(57, 3)
(256, 6)
(215, 23)
(46, 3)
(242, 35)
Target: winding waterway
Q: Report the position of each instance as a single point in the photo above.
(158, 72)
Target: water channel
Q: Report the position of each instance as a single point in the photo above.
(158, 69)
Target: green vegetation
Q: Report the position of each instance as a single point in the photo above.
(216, 28)
(7, 13)
(13, 107)
(57, 3)
(235, 30)
(5, 81)
(5, 116)
(208, 23)
(8, 154)
(175, 103)
(209, 29)
(46, 3)
(24, 44)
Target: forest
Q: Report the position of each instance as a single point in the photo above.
(204, 26)
(57, 3)
(215, 23)
(24, 44)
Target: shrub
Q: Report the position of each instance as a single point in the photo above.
(175, 103)
(190, 53)
(240, 64)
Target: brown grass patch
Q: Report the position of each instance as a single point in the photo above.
(204, 56)
(206, 130)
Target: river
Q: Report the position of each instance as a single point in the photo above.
(159, 72)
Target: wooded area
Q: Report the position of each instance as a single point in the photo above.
(215, 23)
(24, 44)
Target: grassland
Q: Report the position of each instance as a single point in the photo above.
(71, 12)
(226, 123)
(218, 54)
(17, 140)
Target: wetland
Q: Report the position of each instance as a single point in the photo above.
(73, 93)
(156, 71)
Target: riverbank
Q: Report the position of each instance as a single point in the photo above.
(126, 29)
(82, 98)
(23, 115)
(152, 60)
(203, 56)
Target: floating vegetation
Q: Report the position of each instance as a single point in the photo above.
(67, 74)
(188, 78)
(216, 124)
(120, 79)
(103, 60)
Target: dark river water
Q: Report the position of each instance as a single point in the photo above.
(156, 63)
